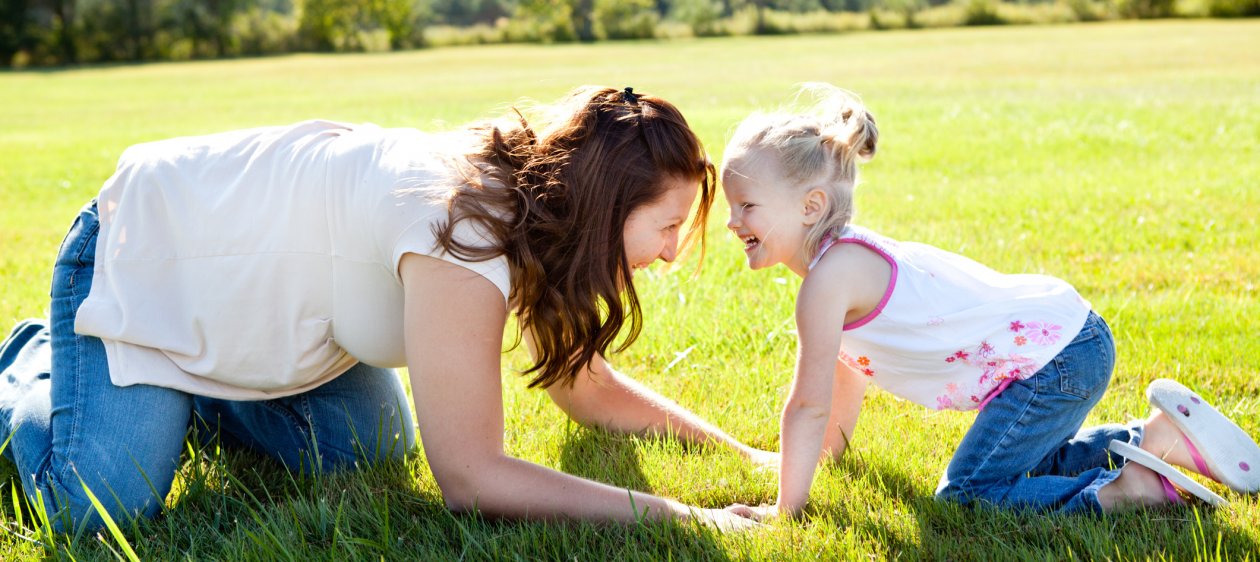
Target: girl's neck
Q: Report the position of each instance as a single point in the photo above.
(799, 264)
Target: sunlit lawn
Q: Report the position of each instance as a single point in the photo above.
(1121, 157)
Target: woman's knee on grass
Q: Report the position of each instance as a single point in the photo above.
(125, 492)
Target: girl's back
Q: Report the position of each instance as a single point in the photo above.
(949, 330)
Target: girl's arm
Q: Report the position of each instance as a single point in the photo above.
(602, 397)
(846, 403)
(820, 310)
(453, 327)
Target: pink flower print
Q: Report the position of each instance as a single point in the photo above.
(868, 372)
(1017, 326)
(949, 359)
(943, 402)
(951, 388)
(985, 349)
(1043, 333)
(1020, 340)
(960, 354)
(848, 360)
(975, 399)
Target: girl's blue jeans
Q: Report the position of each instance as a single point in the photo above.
(68, 427)
(1027, 449)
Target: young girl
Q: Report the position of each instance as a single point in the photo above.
(944, 331)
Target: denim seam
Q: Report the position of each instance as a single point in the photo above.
(1088, 332)
(71, 445)
(317, 462)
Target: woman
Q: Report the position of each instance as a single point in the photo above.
(264, 281)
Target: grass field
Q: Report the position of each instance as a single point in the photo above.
(1120, 157)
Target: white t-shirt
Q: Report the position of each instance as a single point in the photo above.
(262, 263)
(949, 331)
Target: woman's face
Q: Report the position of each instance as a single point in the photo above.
(651, 231)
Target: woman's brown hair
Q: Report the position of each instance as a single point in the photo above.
(554, 200)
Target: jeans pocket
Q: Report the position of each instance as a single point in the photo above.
(1084, 366)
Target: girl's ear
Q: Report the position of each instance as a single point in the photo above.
(816, 204)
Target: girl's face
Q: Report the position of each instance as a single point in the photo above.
(766, 215)
(651, 231)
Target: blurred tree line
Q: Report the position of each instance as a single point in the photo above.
(55, 32)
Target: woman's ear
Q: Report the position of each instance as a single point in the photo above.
(816, 204)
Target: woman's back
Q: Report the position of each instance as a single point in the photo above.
(284, 239)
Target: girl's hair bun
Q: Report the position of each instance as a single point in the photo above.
(846, 125)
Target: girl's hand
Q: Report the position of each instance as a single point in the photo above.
(760, 513)
(724, 520)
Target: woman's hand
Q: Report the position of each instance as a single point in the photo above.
(763, 460)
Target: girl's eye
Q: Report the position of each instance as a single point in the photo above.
(745, 205)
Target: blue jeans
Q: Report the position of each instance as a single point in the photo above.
(69, 426)
(1027, 450)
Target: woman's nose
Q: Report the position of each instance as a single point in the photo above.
(670, 251)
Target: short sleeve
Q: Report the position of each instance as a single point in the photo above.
(419, 238)
(407, 204)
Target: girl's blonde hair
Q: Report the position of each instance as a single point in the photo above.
(818, 148)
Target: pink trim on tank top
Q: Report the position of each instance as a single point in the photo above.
(892, 281)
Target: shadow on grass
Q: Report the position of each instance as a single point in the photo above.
(615, 460)
(239, 505)
(603, 457)
(1180, 533)
(948, 531)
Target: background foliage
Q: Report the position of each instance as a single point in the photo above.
(1118, 156)
(58, 32)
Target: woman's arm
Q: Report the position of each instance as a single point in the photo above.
(454, 331)
(602, 397)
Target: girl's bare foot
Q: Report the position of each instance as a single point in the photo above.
(1162, 439)
(1137, 486)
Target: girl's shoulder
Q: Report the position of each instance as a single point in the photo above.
(855, 269)
(855, 243)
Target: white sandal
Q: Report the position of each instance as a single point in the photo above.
(1220, 449)
(1167, 473)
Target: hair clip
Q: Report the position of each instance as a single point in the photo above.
(629, 96)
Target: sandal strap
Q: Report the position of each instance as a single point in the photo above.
(1199, 463)
(1170, 491)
